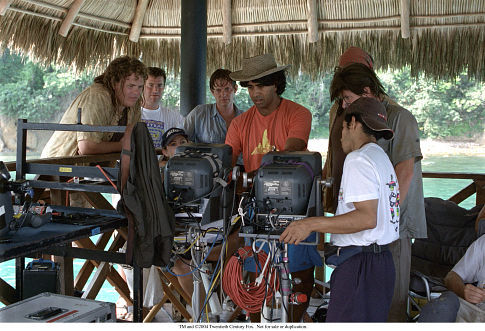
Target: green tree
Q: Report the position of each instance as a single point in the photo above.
(35, 93)
(444, 108)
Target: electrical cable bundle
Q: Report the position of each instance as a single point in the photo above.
(249, 297)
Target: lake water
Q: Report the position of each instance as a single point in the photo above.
(442, 188)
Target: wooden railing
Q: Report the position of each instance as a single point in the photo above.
(69, 160)
(477, 186)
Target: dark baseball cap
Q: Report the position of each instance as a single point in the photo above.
(373, 114)
(170, 134)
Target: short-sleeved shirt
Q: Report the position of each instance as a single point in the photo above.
(204, 124)
(471, 267)
(334, 161)
(405, 146)
(254, 135)
(369, 175)
(160, 120)
(96, 109)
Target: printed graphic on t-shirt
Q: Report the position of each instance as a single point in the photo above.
(341, 194)
(156, 129)
(394, 203)
(264, 146)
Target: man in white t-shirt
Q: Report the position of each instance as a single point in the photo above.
(465, 300)
(467, 280)
(366, 221)
(157, 118)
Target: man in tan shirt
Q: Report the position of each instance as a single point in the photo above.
(113, 99)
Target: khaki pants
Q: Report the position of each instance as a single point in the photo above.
(401, 255)
(469, 312)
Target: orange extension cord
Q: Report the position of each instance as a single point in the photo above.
(249, 297)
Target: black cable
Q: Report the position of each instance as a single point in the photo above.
(281, 284)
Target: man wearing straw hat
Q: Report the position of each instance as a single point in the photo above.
(273, 124)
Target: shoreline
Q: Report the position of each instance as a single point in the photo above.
(429, 147)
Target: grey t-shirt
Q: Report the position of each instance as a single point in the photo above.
(404, 146)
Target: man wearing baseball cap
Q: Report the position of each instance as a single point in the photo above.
(273, 124)
(335, 156)
(366, 221)
(355, 81)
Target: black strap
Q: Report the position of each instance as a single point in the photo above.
(127, 152)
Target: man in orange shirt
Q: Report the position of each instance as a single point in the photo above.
(273, 124)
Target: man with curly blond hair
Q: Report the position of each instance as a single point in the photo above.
(113, 99)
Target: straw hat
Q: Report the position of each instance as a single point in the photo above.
(256, 67)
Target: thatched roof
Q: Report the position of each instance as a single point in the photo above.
(441, 37)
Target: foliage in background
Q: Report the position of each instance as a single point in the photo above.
(442, 108)
(35, 93)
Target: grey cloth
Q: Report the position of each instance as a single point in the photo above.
(204, 124)
(441, 310)
(412, 222)
(404, 146)
(401, 255)
(151, 222)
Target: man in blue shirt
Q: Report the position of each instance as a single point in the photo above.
(208, 123)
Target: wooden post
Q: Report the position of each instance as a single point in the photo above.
(480, 187)
(69, 19)
(7, 293)
(227, 21)
(4, 4)
(138, 20)
(66, 274)
(405, 10)
(312, 21)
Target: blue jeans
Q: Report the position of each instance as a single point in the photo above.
(441, 310)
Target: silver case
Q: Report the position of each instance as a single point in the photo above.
(74, 310)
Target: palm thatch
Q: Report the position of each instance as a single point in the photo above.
(440, 38)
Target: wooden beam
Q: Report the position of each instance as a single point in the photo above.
(454, 175)
(88, 267)
(141, 9)
(312, 21)
(69, 19)
(97, 200)
(96, 283)
(66, 275)
(463, 194)
(405, 10)
(68, 160)
(4, 4)
(480, 188)
(8, 295)
(227, 21)
(112, 276)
